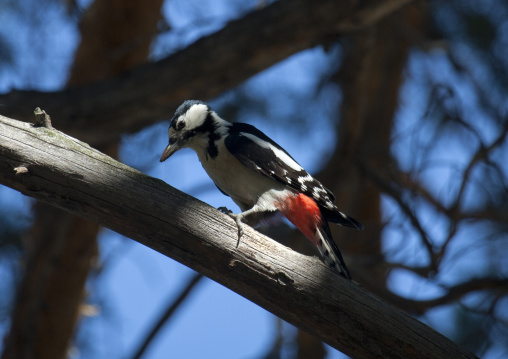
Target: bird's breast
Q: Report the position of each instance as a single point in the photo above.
(244, 185)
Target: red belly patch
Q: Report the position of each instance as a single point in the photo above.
(303, 212)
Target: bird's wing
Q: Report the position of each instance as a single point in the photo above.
(260, 153)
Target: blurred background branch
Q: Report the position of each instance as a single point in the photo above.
(105, 107)
(399, 107)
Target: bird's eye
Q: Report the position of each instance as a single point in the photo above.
(180, 125)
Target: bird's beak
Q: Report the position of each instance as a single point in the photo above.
(174, 145)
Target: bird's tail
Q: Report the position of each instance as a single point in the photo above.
(329, 251)
(338, 217)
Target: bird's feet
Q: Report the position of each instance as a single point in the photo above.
(238, 219)
(225, 210)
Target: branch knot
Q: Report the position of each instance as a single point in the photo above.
(21, 170)
(42, 119)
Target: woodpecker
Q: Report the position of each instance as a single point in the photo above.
(259, 175)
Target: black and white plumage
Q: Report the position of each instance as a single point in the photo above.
(259, 175)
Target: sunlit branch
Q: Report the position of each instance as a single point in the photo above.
(301, 290)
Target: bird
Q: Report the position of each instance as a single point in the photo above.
(259, 176)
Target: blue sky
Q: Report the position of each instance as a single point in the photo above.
(136, 283)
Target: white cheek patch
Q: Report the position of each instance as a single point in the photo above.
(280, 154)
(195, 116)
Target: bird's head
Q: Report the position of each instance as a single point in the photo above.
(190, 126)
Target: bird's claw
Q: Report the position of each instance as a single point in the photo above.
(238, 219)
(225, 210)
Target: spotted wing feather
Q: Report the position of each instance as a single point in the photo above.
(258, 152)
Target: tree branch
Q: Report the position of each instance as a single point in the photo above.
(452, 294)
(100, 112)
(301, 290)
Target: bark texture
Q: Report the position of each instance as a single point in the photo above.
(50, 166)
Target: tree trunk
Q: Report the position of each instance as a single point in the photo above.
(62, 248)
(370, 79)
